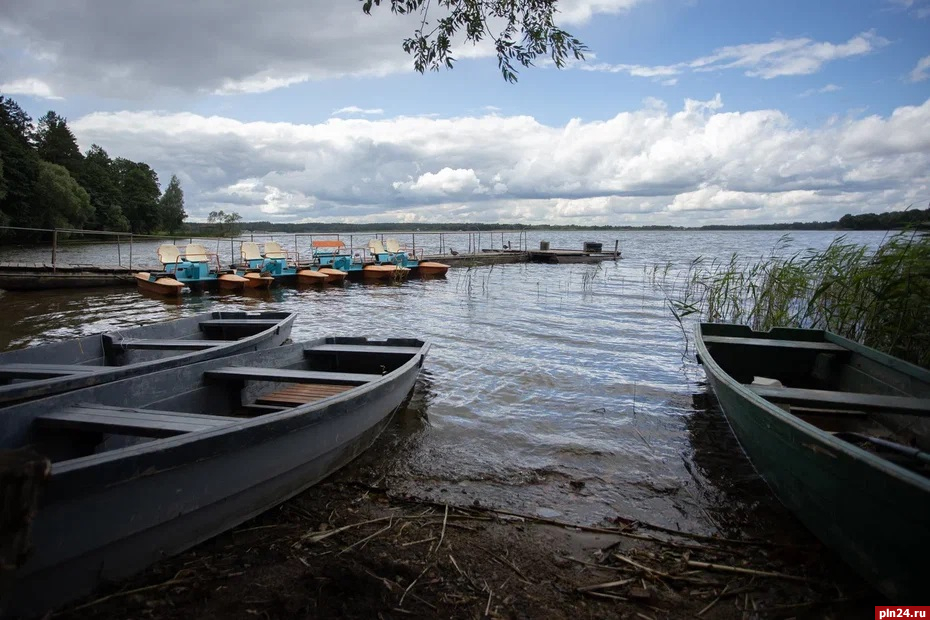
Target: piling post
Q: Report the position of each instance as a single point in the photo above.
(616, 248)
(119, 253)
(130, 250)
(54, 247)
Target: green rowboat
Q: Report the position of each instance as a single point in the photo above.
(841, 434)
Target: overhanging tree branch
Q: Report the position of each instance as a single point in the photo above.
(521, 30)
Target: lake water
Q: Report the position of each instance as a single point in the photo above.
(558, 390)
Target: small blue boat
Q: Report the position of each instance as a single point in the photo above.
(391, 253)
(275, 262)
(193, 268)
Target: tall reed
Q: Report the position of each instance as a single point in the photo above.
(880, 298)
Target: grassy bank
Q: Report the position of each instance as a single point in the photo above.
(880, 297)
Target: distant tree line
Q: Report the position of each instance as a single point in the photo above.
(218, 223)
(46, 182)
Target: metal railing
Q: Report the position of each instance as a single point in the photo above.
(420, 242)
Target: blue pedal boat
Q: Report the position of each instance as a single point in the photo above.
(193, 268)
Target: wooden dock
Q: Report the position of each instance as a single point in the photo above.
(45, 276)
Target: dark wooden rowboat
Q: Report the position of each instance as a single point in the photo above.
(148, 466)
(48, 369)
(841, 433)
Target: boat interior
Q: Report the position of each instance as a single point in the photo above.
(856, 397)
(115, 348)
(176, 403)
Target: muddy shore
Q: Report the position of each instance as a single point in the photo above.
(356, 547)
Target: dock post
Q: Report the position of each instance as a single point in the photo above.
(119, 253)
(130, 250)
(54, 247)
(616, 247)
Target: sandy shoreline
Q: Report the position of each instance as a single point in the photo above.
(351, 548)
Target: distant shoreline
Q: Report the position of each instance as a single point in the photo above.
(892, 220)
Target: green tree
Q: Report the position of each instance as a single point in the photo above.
(99, 178)
(228, 222)
(138, 187)
(60, 201)
(521, 30)
(20, 164)
(171, 206)
(56, 144)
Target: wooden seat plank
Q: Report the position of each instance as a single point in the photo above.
(827, 347)
(289, 376)
(842, 400)
(158, 343)
(362, 348)
(39, 371)
(130, 421)
(301, 394)
(238, 322)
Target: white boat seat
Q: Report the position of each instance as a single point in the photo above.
(195, 253)
(273, 249)
(249, 251)
(392, 246)
(375, 246)
(168, 254)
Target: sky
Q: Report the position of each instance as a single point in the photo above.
(684, 112)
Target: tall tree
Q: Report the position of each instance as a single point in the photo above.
(60, 202)
(138, 185)
(228, 222)
(20, 164)
(99, 178)
(171, 206)
(521, 31)
(56, 144)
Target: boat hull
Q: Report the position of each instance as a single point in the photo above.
(309, 276)
(871, 513)
(160, 286)
(104, 518)
(258, 281)
(334, 276)
(232, 282)
(432, 269)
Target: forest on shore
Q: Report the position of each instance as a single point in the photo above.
(46, 182)
(891, 220)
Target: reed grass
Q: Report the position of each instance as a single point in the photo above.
(880, 298)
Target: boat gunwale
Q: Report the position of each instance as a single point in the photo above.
(829, 440)
(164, 445)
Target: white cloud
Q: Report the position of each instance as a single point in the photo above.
(653, 165)
(922, 71)
(829, 88)
(446, 182)
(353, 109)
(33, 87)
(143, 49)
(575, 12)
(776, 58)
